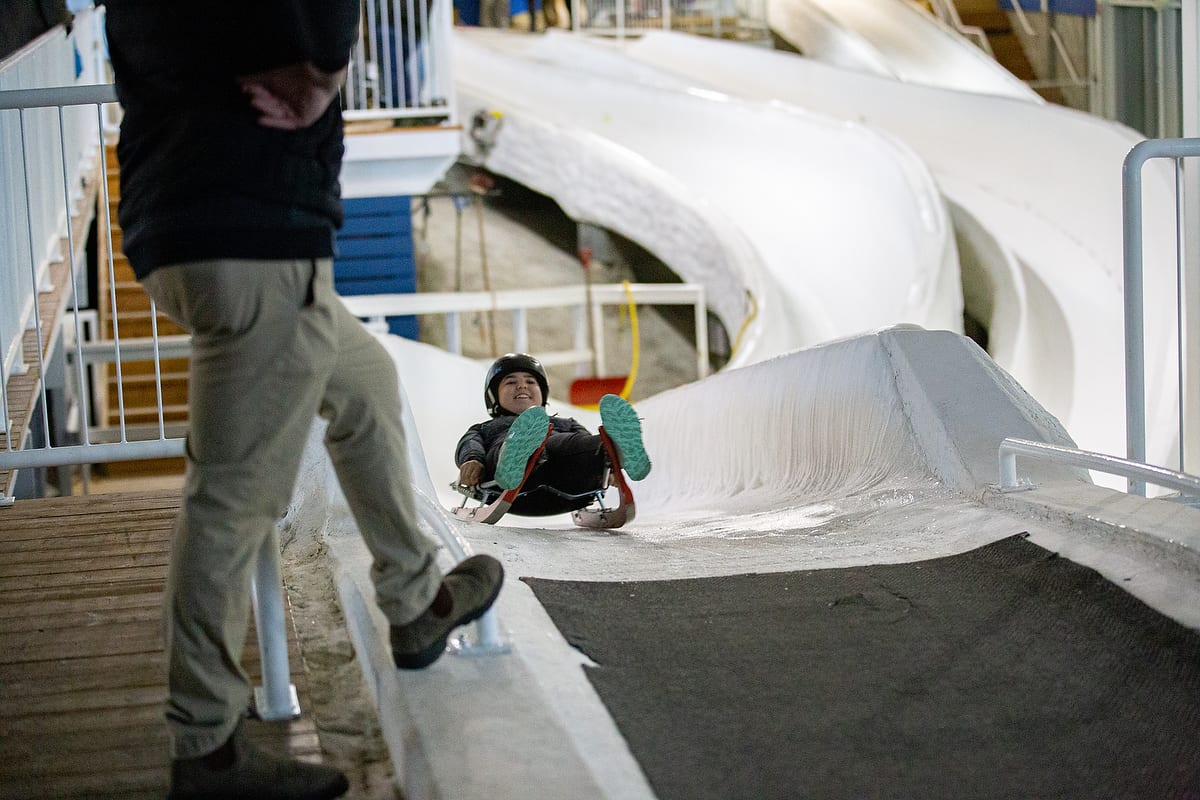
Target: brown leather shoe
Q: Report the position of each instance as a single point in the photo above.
(472, 587)
(248, 772)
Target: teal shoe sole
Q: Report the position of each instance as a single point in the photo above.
(524, 438)
(623, 426)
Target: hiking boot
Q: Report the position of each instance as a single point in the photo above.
(622, 425)
(527, 433)
(467, 591)
(238, 769)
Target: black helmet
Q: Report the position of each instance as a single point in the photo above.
(512, 362)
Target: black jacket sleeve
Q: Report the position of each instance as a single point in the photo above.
(471, 447)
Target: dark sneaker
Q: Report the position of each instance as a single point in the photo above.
(253, 773)
(525, 436)
(473, 586)
(621, 423)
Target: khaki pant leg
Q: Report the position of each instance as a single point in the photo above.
(366, 444)
(261, 355)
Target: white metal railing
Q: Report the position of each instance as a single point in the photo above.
(401, 64)
(376, 308)
(708, 17)
(1011, 448)
(1060, 51)
(947, 12)
(1135, 367)
(44, 153)
(1133, 468)
(14, 455)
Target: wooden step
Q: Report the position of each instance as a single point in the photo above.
(140, 390)
(122, 270)
(976, 6)
(137, 324)
(175, 367)
(142, 469)
(131, 295)
(1010, 54)
(146, 415)
(992, 22)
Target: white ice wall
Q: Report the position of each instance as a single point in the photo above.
(901, 409)
(1036, 193)
(894, 39)
(737, 195)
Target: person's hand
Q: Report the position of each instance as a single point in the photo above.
(291, 97)
(470, 473)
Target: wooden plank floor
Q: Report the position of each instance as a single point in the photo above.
(82, 677)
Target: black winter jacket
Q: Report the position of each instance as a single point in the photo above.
(200, 179)
(480, 439)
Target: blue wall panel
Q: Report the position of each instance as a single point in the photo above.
(375, 253)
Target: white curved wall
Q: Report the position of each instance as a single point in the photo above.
(894, 39)
(886, 416)
(784, 219)
(1038, 191)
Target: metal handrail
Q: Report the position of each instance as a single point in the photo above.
(1160, 476)
(1135, 346)
(375, 308)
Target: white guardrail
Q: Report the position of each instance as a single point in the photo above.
(1134, 468)
(1135, 345)
(1160, 476)
(376, 308)
(717, 18)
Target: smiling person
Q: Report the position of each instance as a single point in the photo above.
(573, 463)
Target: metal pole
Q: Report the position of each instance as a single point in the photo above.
(276, 699)
(1135, 368)
(1010, 448)
(1190, 86)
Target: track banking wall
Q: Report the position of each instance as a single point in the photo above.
(899, 407)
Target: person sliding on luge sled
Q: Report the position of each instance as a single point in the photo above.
(573, 465)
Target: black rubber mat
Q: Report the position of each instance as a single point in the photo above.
(1004, 672)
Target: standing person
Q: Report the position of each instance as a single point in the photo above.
(230, 152)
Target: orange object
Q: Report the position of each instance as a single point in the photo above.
(586, 392)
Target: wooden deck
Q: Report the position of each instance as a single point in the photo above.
(82, 676)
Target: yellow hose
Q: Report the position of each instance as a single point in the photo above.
(737, 340)
(627, 389)
(633, 327)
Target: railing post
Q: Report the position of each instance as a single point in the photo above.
(700, 315)
(1135, 347)
(580, 340)
(276, 699)
(1008, 468)
(520, 323)
(1135, 367)
(1086, 459)
(453, 333)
